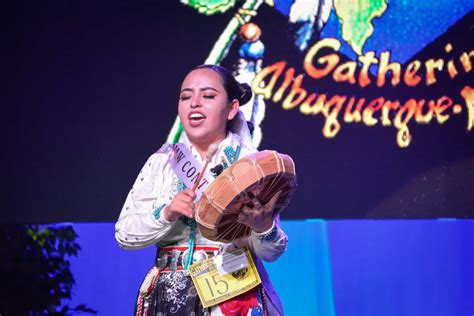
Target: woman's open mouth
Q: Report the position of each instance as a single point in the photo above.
(196, 119)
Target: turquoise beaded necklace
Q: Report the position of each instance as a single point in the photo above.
(191, 243)
(191, 223)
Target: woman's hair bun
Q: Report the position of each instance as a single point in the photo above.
(246, 93)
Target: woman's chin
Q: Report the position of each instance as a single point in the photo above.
(203, 139)
(197, 138)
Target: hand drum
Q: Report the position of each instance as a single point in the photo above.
(264, 174)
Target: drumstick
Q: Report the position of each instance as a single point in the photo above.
(211, 150)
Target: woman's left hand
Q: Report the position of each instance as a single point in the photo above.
(260, 217)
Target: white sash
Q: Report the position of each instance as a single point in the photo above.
(187, 168)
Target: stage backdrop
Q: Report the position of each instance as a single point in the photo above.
(373, 99)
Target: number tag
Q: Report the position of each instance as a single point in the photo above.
(224, 277)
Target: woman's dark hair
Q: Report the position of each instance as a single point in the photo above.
(234, 89)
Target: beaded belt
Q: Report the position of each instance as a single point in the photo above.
(172, 258)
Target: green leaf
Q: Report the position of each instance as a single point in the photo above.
(356, 18)
(210, 7)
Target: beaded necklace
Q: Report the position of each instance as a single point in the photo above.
(191, 223)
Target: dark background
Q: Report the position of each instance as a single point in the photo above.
(91, 91)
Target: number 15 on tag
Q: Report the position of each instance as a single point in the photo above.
(224, 276)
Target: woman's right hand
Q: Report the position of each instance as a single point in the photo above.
(182, 204)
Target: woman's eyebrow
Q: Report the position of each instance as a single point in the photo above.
(209, 88)
(186, 89)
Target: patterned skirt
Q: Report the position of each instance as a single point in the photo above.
(171, 292)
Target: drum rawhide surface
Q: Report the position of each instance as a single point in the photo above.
(264, 174)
